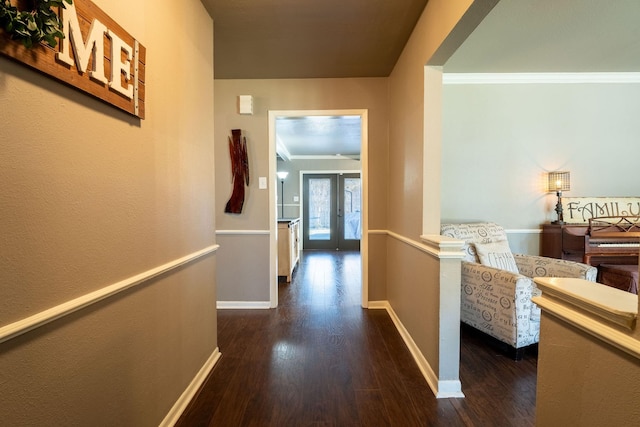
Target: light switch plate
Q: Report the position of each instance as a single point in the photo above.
(262, 183)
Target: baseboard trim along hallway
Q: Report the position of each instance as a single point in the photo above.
(441, 389)
(243, 305)
(191, 391)
(320, 358)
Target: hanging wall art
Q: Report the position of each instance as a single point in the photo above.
(239, 171)
(75, 42)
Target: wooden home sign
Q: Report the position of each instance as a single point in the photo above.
(97, 56)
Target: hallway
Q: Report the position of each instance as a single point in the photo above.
(319, 359)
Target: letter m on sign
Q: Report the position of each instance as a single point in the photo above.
(96, 56)
(83, 51)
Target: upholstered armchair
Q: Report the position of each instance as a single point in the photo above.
(497, 285)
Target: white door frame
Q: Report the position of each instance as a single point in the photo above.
(273, 213)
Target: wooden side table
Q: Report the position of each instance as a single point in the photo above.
(563, 241)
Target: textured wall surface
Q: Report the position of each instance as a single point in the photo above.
(413, 286)
(90, 197)
(583, 380)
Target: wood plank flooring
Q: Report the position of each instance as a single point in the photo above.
(319, 359)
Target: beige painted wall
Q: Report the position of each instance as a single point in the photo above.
(583, 380)
(378, 267)
(304, 94)
(243, 283)
(414, 297)
(406, 116)
(91, 197)
(414, 188)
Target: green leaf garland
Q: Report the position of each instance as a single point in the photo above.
(37, 23)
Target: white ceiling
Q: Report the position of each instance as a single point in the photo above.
(319, 136)
(361, 38)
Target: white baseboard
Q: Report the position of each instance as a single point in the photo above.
(378, 305)
(441, 389)
(191, 390)
(449, 389)
(243, 305)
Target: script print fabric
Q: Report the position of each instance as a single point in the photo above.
(537, 266)
(496, 254)
(498, 303)
(481, 232)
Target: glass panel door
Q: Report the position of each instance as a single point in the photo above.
(319, 218)
(320, 208)
(331, 211)
(349, 212)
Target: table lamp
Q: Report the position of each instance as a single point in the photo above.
(559, 181)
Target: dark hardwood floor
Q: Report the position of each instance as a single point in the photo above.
(319, 359)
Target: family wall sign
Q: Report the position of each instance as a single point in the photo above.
(96, 56)
(578, 210)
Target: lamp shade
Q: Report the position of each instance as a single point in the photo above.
(559, 181)
(282, 174)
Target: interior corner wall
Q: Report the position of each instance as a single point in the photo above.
(500, 139)
(286, 94)
(92, 197)
(416, 300)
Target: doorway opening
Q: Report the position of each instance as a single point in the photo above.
(347, 215)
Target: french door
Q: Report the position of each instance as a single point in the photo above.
(331, 211)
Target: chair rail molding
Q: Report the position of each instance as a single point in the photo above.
(30, 323)
(606, 313)
(431, 244)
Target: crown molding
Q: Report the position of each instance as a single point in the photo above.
(537, 78)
